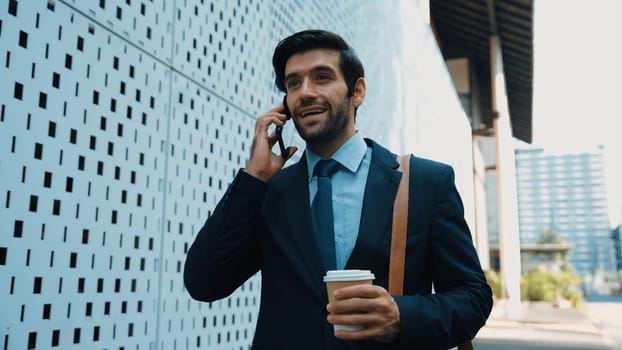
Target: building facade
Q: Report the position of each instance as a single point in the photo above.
(122, 123)
(565, 193)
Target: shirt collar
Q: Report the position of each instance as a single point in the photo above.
(349, 155)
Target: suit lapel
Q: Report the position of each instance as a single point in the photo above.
(380, 190)
(382, 182)
(295, 196)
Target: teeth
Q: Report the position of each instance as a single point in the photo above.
(312, 112)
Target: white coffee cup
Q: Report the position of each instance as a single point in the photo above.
(336, 279)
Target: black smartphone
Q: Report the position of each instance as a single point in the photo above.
(279, 130)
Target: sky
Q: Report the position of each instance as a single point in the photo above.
(578, 83)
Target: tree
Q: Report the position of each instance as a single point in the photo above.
(553, 279)
(541, 284)
(552, 248)
(549, 237)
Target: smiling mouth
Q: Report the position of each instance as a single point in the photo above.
(312, 112)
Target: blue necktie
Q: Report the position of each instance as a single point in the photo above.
(322, 212)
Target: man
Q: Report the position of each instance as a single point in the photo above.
(264, 223)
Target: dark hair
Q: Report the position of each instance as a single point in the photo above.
(350, 65)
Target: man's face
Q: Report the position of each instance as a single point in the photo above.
(317, 96)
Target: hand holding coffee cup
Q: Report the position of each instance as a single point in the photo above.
(336, 279)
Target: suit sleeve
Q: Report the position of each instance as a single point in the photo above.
(226, 251)
(462, 299)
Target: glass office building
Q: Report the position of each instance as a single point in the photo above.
(565, 193)
(617, 243)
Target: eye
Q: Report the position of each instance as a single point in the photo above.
(291, 83)
(323, 76)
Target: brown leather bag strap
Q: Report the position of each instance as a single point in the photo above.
(466, 345)
(398, 237)
(398, 231)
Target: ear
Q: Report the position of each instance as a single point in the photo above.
(360, 88)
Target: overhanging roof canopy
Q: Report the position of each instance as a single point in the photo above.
(464, 26)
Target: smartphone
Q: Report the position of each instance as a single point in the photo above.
(279, 130)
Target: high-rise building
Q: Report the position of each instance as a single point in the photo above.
(617, 244)
(566, 193)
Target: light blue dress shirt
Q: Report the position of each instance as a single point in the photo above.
(348, 187)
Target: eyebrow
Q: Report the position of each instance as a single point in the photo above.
(321, 68)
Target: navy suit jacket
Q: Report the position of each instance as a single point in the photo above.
(267, 227)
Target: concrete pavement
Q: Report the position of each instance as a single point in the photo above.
(606, 314)
(542, 326)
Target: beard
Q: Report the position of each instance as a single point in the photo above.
(330, 128)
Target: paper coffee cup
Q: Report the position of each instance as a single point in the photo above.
(336, 279)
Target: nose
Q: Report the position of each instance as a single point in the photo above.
(307, 89)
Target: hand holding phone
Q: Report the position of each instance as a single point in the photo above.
(279, 131)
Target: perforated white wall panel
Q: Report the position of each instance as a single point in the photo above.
(121, 124)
